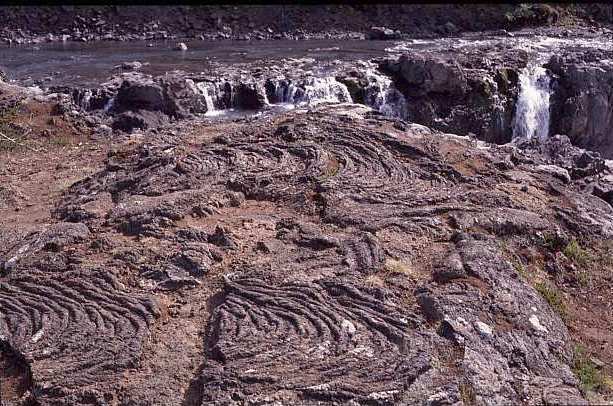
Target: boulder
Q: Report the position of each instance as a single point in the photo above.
(382, 33)
(139, 94)
(433, 75)
(582, 101)
(250, 96)
(140, 119)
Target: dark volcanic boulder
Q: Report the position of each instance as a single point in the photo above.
(459, 92)
(141, 119)
(249, 96)
(582, 103)
(174, 95)
(182, 97)
(139, 94)
(435, 75)
(382, 33)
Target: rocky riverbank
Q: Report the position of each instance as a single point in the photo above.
(122, 23)
(480, 86)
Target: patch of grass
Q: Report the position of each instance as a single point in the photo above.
(584, 277)
(574, 252)
(519, 268)
(467, 394)
(591, 378)
(374, 281)
(330, 171)
(395, 266)
(553, 297)
(7, 117)
(553, 242)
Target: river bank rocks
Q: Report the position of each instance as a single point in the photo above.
(471, 91)
(317, 256)
(122, 23)
(582, 101)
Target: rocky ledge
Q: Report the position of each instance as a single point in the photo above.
(470, 86)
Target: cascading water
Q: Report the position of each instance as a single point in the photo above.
(210, 93)
(310, 91)
(327, 89)
(382, 96)
(532, 110)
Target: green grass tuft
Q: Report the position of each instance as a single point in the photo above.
(574, 252)
(591, 378)
(554, 298)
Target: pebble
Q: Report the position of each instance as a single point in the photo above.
(536, 323)
(483, 328)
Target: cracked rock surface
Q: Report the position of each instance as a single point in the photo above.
(327, 256)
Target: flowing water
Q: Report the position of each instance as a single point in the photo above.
(381, 95)
(89, 64)
(532, 110)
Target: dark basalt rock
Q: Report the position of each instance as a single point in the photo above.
(331, 258)
(582, 103)
(129, 121)
(459, 92)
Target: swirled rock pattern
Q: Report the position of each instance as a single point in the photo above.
(328, 340)
(73, 326)
(322, 256)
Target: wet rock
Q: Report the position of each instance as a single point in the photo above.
(582, 106)
(139, 94)
(457, 92)
(432, 75)
(382, 33)
(250, 96)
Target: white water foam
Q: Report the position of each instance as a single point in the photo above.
(532, 110)
(381, 95)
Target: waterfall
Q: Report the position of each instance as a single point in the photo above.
(532, 109)
(210, 93)
(327, 89)
(381, 95)
(109, 104)
(310, 91)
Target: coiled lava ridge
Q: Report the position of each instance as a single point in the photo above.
(325, 340)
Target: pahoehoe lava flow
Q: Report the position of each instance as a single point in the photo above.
(350, 261)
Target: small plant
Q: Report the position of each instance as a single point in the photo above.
(574, 252)
(467, 394)
(395, 266)
(330, 171)
(591, 378)
(10, 138)
(553, 242)
(553, 297)
(584, 277)
(519, 268)
(374, 281)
